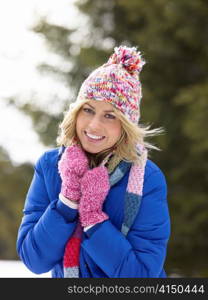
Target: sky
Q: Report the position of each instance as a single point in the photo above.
(21, 51)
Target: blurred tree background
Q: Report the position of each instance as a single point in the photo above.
(173, 38)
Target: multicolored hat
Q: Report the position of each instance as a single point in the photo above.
(117, 82)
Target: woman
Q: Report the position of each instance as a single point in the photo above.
(97, 205)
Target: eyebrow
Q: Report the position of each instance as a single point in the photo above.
(104, 110)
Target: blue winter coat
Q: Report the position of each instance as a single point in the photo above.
(47, 225)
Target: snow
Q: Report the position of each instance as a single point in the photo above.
(16, 269)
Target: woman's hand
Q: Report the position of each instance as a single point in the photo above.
(72, 166)
(95, 186)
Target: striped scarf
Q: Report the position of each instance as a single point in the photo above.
(131, 206)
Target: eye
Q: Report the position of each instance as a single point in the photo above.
(88, 110)
(110, 116)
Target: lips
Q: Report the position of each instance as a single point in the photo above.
(92, 139)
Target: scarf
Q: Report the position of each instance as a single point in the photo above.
(116, 169)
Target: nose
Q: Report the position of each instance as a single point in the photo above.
(95, 124)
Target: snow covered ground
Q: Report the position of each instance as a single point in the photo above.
(16, 269)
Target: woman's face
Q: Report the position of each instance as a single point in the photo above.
(97, 126)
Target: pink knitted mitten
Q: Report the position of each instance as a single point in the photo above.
(72, 166)
(95, 186)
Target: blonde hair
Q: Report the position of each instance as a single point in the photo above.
(125, 148)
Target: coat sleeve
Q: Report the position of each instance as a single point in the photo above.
(141, 254)
(46, 226)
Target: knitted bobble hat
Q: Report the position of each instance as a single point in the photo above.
(117, 82)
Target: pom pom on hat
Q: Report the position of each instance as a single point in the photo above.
(130, 59)
(117, 82)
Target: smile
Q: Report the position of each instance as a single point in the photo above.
(94, 138)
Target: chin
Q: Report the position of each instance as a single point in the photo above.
(91, 150)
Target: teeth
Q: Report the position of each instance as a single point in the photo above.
(94, 136)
